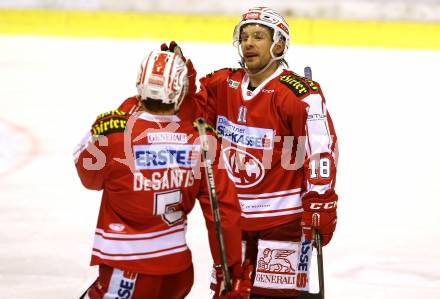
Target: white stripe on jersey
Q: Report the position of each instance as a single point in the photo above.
(269, 204)
(270, 194)
(139, 256)
(100, 231)
(272, 214)
(318, 134)
(139, 246)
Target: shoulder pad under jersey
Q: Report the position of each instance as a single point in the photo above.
(230, 70)
(130, 105)
(115, 112)
(298, 84)
(109, 122)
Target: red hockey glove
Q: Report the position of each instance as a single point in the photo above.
(192, 74)
(241, 282)
(319, 214)
(173, 47)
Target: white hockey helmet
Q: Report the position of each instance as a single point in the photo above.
(163, 77)
(269, 18)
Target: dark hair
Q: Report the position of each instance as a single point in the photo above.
(156, 106)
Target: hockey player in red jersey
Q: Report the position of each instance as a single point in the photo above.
(279, 149)
(144, 157)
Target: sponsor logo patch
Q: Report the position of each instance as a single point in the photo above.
(252, 137)
(251, 16)
(232, 83)
(278, 265)
(299, 88)
(284, 28)
(117, 227)
(107, 126)
(167, 137)
(163, 156)
(316, 116)
(304, 260)
(267, 90)
(276, 261)
(122, 284)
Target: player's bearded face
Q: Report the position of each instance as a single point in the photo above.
(255, 43)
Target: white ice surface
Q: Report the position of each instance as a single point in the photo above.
(385, 106)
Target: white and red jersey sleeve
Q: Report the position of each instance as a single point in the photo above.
(312, 125)
(320, 144)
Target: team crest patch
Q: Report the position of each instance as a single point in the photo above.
(283, 265)
(298, 87)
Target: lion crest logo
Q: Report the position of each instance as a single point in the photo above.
(276, 261)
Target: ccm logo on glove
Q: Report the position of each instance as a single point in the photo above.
(324, 206)
(319, 215)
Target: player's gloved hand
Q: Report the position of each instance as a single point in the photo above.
(173, 47)
(241, 282)
(319, 215)
(192, 73)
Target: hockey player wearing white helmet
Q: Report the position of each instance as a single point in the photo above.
(279, 149)
(271, 119)
(143, 157)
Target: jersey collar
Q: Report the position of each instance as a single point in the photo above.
(249, 95)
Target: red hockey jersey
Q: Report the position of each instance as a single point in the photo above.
(278, 141)
(147, 167)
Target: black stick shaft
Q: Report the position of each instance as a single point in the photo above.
(320, 264)
(201, 127)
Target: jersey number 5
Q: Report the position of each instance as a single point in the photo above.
(169, 206)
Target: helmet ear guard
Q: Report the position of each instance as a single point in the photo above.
(163, 77)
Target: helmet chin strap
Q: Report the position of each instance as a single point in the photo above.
(273, 58)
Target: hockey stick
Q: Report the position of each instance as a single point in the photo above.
(200, 125)
(83, 296)
(308, 72)
(320, 262)
(317, 237)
